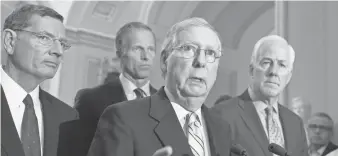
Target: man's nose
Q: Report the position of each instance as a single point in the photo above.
(200, 59)
(56, 48)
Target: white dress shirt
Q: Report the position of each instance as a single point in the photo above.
(181, 113)
(129, 87)
(318, 152)
(15, 95)
(260, 108)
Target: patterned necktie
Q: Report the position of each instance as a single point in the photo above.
(139, 93)
(274, 131)
(194, 134)
(29, 130)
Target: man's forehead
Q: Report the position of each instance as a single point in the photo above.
(275, 52)
(199, 35)
(50, 25)
(320, 120)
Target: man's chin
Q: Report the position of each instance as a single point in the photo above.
(270, 93)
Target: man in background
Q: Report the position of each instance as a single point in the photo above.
(175, 116)
(135, 47)
(320, 133)
(32, 119)
(303, 109)
(256, 117)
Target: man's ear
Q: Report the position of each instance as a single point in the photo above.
(289, 77)
(251, 68)
(9, 40)
(163, 63)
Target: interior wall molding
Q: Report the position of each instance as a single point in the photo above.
(94, 39)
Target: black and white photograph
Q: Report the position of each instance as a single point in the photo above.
(169, 78)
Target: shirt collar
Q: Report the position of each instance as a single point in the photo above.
(15, 94)
(181, 112)
(259, 105)
(129, 86)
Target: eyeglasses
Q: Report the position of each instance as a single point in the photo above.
(190, 51)
(320, 127)
(48, 41)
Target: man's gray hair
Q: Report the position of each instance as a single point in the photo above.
(20, 17)
(170, 40)
(269, 41)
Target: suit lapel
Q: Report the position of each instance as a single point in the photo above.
(212, 130)
(252, 120)
(168, 129)
(50, 124)
(330, 147)
(289, 125)
(152, 90)
(10, 141)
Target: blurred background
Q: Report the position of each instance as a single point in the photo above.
(310, 27)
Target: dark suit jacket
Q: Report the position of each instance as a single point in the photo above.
(248, 131)
(55, 113)
(90, 104)
(330, 147)
(140, 127)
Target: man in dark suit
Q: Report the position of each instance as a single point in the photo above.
(135, 47)
(320, 132)
(175, 116)
(31, 119)
(256, 117)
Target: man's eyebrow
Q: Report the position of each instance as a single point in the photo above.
(52, 35)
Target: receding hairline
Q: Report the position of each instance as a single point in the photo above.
(269, 42)
(323, 115)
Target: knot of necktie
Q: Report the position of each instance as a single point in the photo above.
(193, 120)
(139, 93)
(28, 101)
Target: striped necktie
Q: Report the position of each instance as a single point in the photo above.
(194, 134)
(139, 93)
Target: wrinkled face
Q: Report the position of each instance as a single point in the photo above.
(272, 70)
(31, 56)
(195, 76)
(320, 130)
(138, 56)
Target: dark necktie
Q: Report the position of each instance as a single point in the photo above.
(30, 130)
(139, 93)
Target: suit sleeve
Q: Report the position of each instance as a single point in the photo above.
(113, 137)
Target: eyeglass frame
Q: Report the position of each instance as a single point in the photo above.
(320, 127)
(198, 49)
(53, 39)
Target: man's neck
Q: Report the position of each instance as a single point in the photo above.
(316, 147)
(138, 82)
(26, 81)
(257, 96)
(189, 103)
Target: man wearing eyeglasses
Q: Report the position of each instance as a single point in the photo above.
(320, 133)
(34, 40)
(173, 121)
(256, 117)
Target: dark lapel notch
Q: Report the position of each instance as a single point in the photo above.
(289, 127)
(168, 129)
(251, 118)
(50, 124)
(212, 130)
